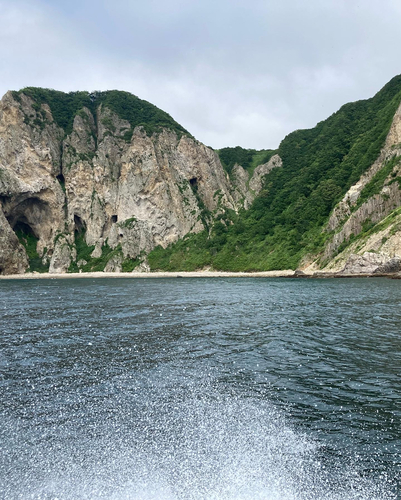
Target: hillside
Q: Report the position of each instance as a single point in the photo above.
(285, 225)
(94, 181)
(106, 181)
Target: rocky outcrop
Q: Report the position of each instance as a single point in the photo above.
(241, 191)
(150, 191)
(247, 187)
(371, 263)
(123, 192)
(256, 182)
(31, 197)
(367, 263)
(13, 259)
(390, 266)
(352, 221)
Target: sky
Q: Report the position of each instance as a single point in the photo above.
(232, 72)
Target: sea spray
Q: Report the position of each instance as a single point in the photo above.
(157, 438)
(242, 389)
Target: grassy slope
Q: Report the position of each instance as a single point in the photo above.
(286, 219)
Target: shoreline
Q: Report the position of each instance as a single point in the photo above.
(288, 273)
(155, 274)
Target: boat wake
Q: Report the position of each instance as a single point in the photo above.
(157, 438)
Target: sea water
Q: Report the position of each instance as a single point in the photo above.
(203, 389)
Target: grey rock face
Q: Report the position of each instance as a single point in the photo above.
(129, 193)
(64, 253)
(256, 183)
(245, 189)
(13, 259)
(30, 194)
(391, 266)
(368, 263)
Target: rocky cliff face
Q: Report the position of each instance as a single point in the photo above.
(96, 181)
(245, 186)
(100, 195)
(365, 226)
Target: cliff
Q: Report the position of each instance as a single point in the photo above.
(105, 181)
(95, 181)
(364, 228)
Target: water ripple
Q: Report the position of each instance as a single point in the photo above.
(200, 389)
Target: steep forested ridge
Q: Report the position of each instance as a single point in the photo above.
(249, 159)
(285, 221)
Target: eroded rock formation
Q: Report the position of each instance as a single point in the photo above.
(119, 194)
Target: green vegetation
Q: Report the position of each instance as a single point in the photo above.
(129, 265)
(129, 223)
(95, 264)
(107, 122)
(188, 254)
(64, 107)
(377, 182)
(84, 252)
(249, 159)
(285, 221)
(29, 241)
(138, 112)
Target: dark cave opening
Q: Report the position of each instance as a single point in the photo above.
(114, 219)
(80, 225)
(61, 181)
(193, 181)
(29, 240)
(28, 215)
(23, 229)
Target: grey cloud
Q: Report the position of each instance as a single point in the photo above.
(232, 72)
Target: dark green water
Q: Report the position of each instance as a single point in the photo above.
(203, 389)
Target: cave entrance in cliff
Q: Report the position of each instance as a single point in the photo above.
(193, 181)
(114, 219)
(26, 236)
(24, 230)
(29, 213)
(80, 226)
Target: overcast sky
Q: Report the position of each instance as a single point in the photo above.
(232, 72)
